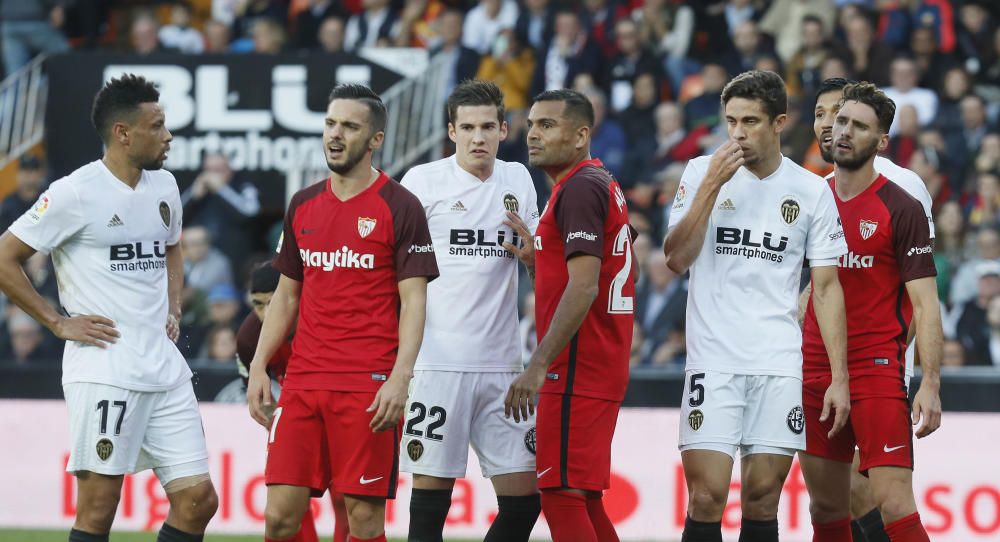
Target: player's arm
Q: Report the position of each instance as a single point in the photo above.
(927, 319)
(175, 285)
(581, 290)
(685, 239)
(89, 329)
(281, 314)
(828, 303)
(391, 397)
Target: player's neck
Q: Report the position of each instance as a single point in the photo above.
(482, 173)
(850, 183)
(121, 168)
(765, 167)
(557, 172)
(354, 182)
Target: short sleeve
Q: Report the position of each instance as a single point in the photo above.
(826, 233)
(530, 214)
(177, 214)
(912, 243)
(52, 220)
(413, 181)
(288, 260)
(414, 250)
(686, 190)
(246, 344)
(580, 212)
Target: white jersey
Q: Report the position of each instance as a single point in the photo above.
(472, 320)
(108, 244)
(911, 182)
(742, 313)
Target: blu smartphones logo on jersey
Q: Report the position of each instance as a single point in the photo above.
(139, 256)
(740, 242)
(855, 261)
(480, 243)
(343, 258)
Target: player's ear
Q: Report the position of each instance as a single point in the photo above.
(375, 141)
(503, 130)
(883, 142)
(582, 136)
(119, 132)
(780, 122)
(452, 134)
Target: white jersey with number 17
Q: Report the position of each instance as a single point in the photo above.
(109, 244)
(472, 321)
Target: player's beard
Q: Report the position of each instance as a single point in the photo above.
(350, 162)
(852, 163)
(152, 164)
(826, 154)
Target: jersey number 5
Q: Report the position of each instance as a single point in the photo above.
(618, 303)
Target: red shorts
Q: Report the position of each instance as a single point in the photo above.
(573, 441)
(880, 428)
(320, 439)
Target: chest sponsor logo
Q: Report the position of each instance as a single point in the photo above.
(916, 251)
(790, 210)
(366, 226)
(867, 228)
(344, 258)
(510, 202)
(855, 261)
(750, 245)
(481, 243)
(139, 256)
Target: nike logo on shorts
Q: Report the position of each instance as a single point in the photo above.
(544, 471)
(366, 481)
(887, 449)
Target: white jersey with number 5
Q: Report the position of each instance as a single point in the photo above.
(744, 287)
(472, 306)
(108, 244)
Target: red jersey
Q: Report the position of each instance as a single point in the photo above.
(350, 256)
(889, 244)
(587, 215)
(246, 346)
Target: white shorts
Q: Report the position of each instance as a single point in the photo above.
(750, 413)
(117, 431)
(449, 411)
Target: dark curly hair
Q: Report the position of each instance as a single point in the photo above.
(577, 106)
(119, 99)
(766, 87)
(475, 92)
(365, 95)
(870, 95)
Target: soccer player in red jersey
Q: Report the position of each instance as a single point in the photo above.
(263, 281)
(584, 288)
(888, 277)
(355, 259)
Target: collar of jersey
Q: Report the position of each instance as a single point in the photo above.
(120, 184)
(596, 162)
(462, 174)
(876, 184)
(379, 181)
(781, 165)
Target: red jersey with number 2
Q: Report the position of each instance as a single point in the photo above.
(587, 215)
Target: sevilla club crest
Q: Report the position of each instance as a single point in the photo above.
(366, 226)
(868, 228)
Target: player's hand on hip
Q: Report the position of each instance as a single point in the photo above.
(725, 161)
(522, 396)
(525, 252)
(926, 405)
(173, 327)
(837, 399)
(88, 329)
(259, 396)
(388, 404)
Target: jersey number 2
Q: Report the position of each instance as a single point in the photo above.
(618, 303)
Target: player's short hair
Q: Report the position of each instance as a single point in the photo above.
(365, 95)
(264, 278)
(119, 99)
(833, 84)
(766, 87)
(870, 95)
(475, 92)
(578, 106)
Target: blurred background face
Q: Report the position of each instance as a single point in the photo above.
(832, 67)
(908, 124)
(627, 37)
(451, 27)
(714, 78)
(216, 37)
(30, 180)
(903, 74)
(195, 244)
(973, 17)
(973, 112)
(859, 32)
(644, 91)
(222, 346)
(268, 37)
(331, 35)
(669, 118)
(950, 220)
(659, 274)
(952, 354)
(217, 164)
(144, 35)
(812, 35)
(956, 83)
(567, 26)
(988, 244)
(746, 38)
(923, 41)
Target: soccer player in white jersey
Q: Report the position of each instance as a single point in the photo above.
(744, 220)
(112, 228)
(866, 520)
(476, 206)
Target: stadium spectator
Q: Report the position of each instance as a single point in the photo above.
(526, 328)
(217, 37)
(30, 27)
(535, 24)
(377, 26)
(632, 60)
(975, 36)
(510, 65)
(988, 158)
(268, 36)
(569, 54)
(144, 35)
(868, 59)
(223, 204)
(666, 27)
(485, 21)
(220, 345)
(464, 61)
(179, 34)
(608, 142)
(27, 341)
(660, 305)
(247, 13)
(904, 91)
(29, 181)
(310, 21)
(671, 143)
(640, 125)
(416, 23)
(600, 19)
(802, 70)
(703, 110)
(986, 254)
(990, 75)
(205, 267)
(932, 63)
(748, 46)
(984, 204)
(904, 142)
(785, 20)
(331, 35)
(956, 85)
(973, 329)
(952, 355)
(900, 19)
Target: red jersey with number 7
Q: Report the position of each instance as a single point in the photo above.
(587, 215)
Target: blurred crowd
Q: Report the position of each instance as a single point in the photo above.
(654, 69)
